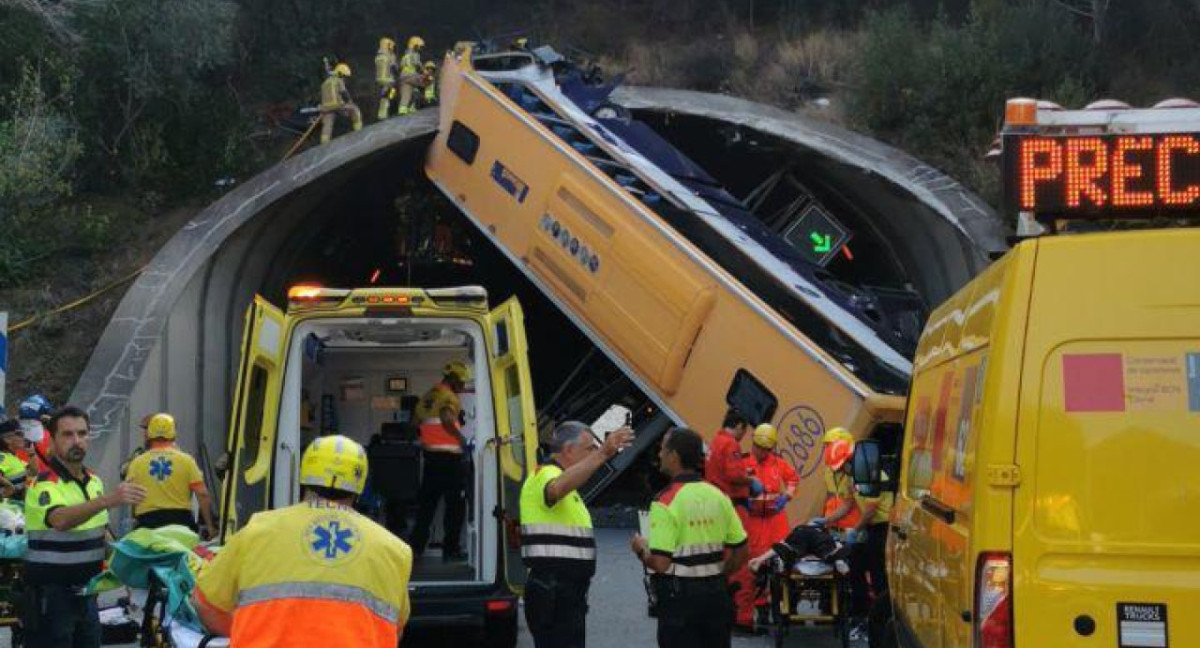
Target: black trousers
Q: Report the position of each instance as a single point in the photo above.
(867, 558)
(56, 616)
(443, 479)
(693, 612)
(556, 610)
(876, 558)
(164, 517)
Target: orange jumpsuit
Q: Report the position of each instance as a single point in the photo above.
(764, 526)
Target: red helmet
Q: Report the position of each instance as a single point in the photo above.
(838, 453)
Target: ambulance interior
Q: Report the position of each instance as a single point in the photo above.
(362, 378)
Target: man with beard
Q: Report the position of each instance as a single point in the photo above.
(66, 510)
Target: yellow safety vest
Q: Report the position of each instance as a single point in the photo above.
(332, 90)
(312, 574)
(169, 475)
(63, 557)
(384, 62)
(692, 522)
(13, 469)
(556, 538)
(410, 62)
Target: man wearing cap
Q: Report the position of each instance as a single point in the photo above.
(766, 522)
(443, 475)
(34, 412)
(170, 477)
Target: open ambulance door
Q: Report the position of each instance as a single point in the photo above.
(516, 426)
(251, 442)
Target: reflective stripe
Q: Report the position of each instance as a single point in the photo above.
(51, 557)
(558, 551)
(51, 535)
(320, 591)
(692, 550)
(557, 529)
(697, 571)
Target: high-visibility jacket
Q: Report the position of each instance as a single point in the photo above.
(169, 475)
(333, 93)
(556, 538)
(883, 510)
(839, 488)
(777, 477)
(312, 575)
(13, 469)
(385, 65)
(724, 463)
(410, 63)
(63, 557)
(434, 435)
(692, 522)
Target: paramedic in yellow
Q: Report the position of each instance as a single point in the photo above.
(170, 477)
(66, 511)
(444, 474)
(316, 573)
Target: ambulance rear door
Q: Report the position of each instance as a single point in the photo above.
(515, 442)
(251, 440)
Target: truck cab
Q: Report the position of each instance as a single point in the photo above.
(354, 362)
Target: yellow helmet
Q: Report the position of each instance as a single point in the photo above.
(838, 434)
(766, 436)
(386, 43)
(459, 370)
(161, 426)
(341, 69)
(429, 65)
(416, 42)
(335, 462)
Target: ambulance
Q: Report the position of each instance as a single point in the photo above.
(1048, 484)
(354, 362)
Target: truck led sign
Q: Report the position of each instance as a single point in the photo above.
(1102, 175)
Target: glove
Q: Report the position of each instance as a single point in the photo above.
(756, 487)
(781, 502)
(852, 536)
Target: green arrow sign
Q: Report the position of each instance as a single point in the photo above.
(821, 244)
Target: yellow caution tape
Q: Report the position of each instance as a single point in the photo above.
(78, 302)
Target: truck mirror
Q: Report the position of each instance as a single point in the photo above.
(866, 465)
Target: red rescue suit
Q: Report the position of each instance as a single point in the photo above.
(764, 526)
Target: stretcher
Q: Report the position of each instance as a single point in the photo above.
(159, 630)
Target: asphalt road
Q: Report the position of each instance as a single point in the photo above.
(617, 616)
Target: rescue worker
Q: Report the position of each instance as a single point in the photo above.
(138, 451)
(170, 477)
(557, 542)
(12, 468)
(871, 546)
(66, 510)
(840, 510)
(696, 540)
(385, 76)
(766, 522)
(443, 476)
(316, 573)
(33, 413)
(410, 74)
(335, 100)
(725, 468)
(429, 78)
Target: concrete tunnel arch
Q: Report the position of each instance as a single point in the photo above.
(173, 343)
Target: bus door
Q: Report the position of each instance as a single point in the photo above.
(251, 439)
(516, 425)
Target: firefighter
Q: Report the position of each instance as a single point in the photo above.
(557, 542)
(726, 468)
(316, 573)
(766, 522)
(410, 74)
(385, 76)
(170, 477)
(335, 100)
(66, 510)
(12, 467)
(430, 81)
(696, 540)
(443, 476)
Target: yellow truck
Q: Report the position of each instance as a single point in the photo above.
(351, 361)
(1046, 491)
